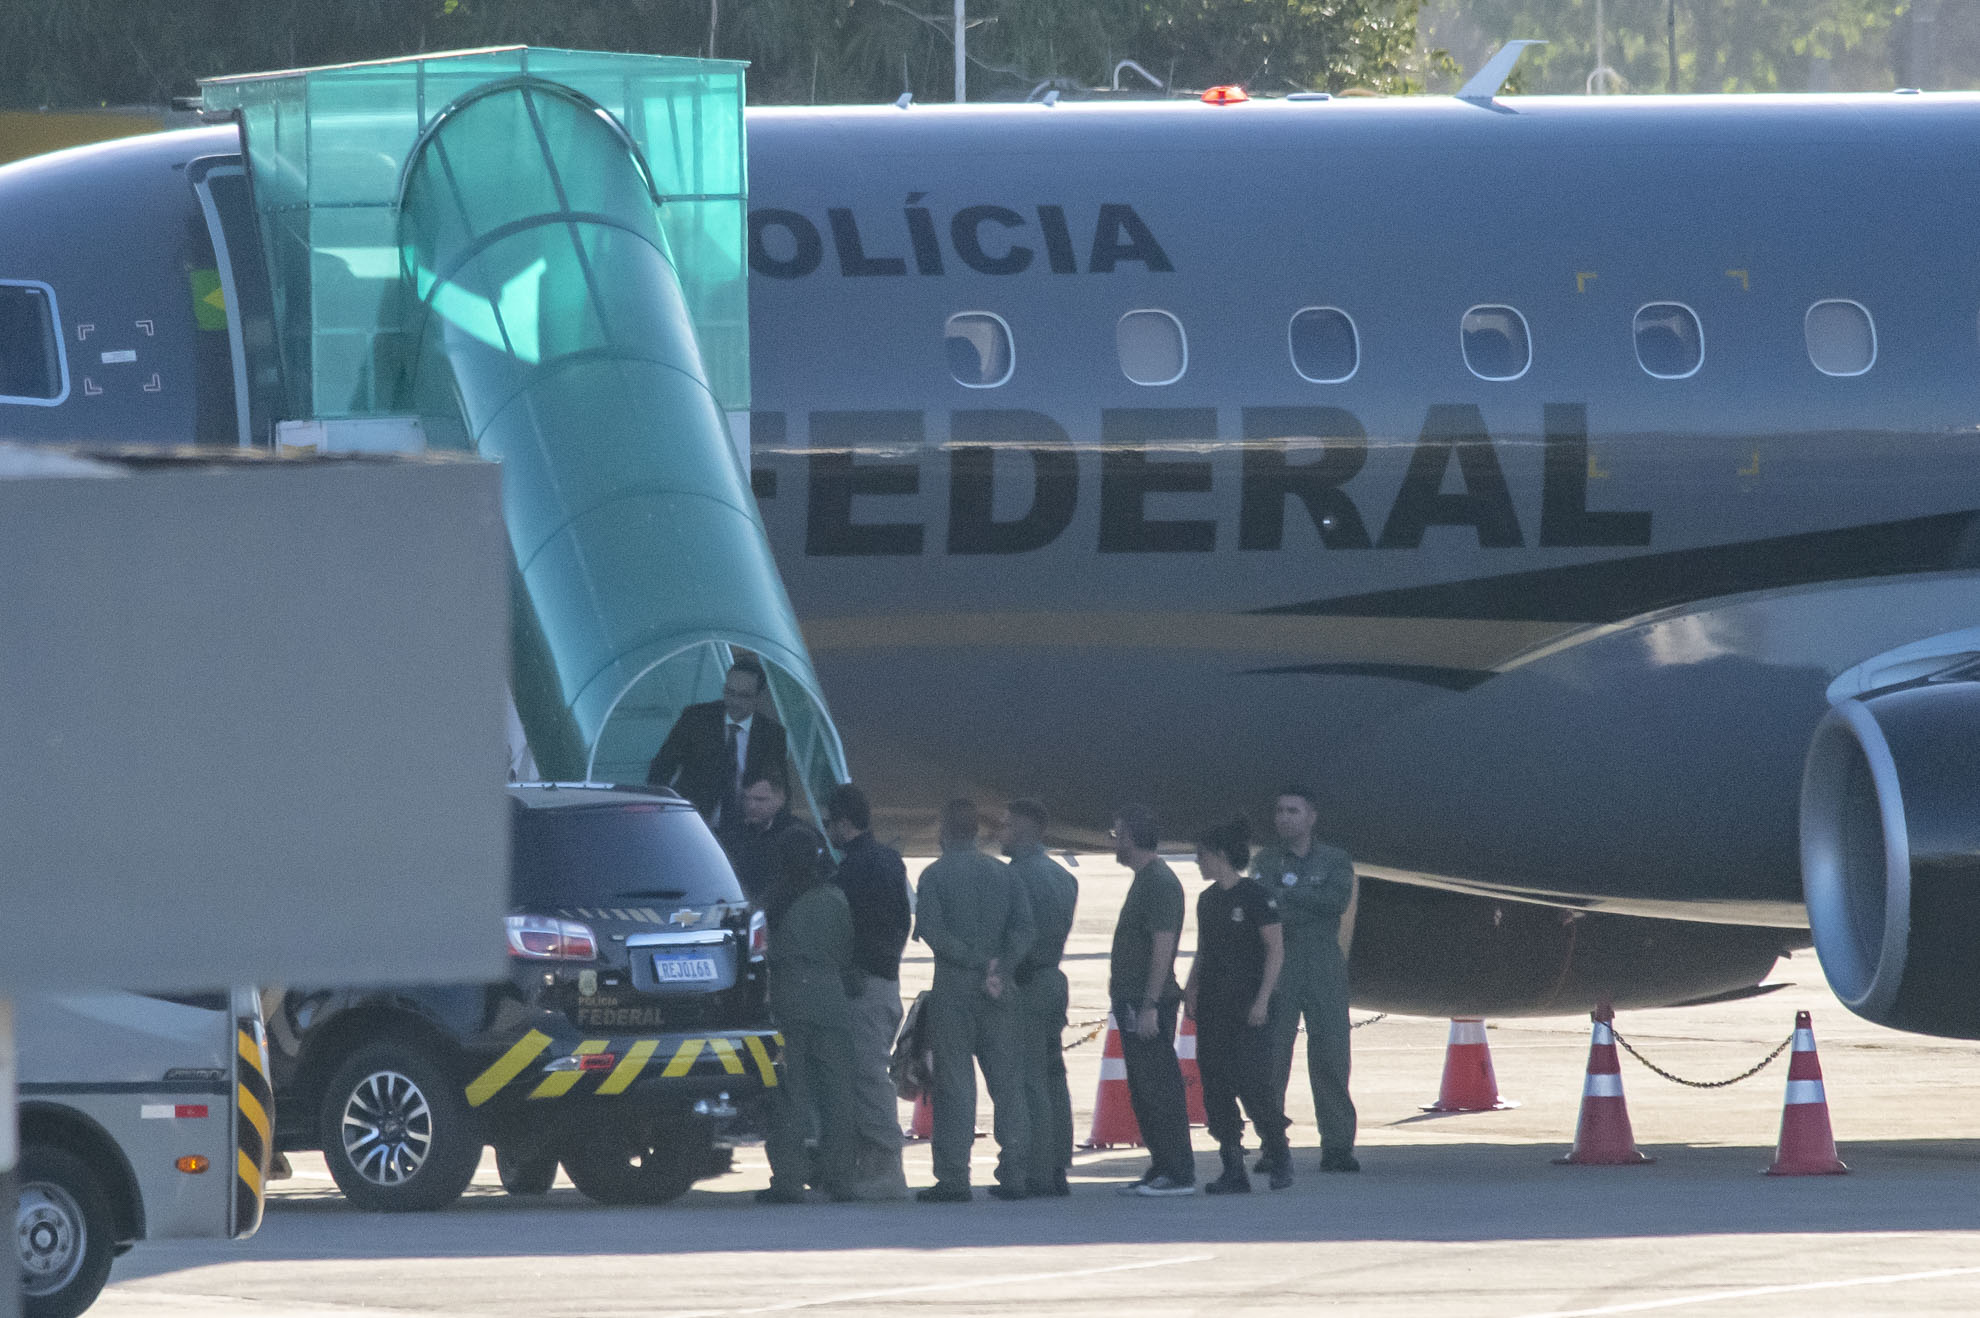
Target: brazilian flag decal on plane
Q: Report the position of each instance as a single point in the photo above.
(209, 300)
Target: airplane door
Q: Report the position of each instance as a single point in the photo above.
(235, 299)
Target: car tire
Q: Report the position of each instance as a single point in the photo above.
(398, 1134)
(525, 1173)
(65, 1227)
(641, 1160)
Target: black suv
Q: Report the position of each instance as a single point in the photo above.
(629, 1038)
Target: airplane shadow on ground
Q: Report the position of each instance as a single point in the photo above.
(1447, 1193)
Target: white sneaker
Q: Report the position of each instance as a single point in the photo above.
(1162, 1187)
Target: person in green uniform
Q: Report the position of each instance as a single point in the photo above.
(1314, 885)
(1042, 995)
(973, 914)
(811, 965)
(1141, 985)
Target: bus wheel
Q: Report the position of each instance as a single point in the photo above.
(398, 1134)
(65, 1228)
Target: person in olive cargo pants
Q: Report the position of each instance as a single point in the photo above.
(973, 914)
(1315, 887)
(1042, 994)
(810, 960)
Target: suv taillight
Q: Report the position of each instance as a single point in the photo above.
(540, 938)
(759, 935)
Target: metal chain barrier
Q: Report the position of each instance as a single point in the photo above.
(1747, 1074)
(1094, 1028)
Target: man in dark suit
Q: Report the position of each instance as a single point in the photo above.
(717, 747)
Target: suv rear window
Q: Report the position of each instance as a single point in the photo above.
(616, 855)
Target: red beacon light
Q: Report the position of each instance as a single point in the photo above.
(1228, 95)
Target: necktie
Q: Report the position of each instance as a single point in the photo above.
(732, 779)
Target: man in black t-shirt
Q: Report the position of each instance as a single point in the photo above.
(875, 883)
(1239, 953)
(750, 840)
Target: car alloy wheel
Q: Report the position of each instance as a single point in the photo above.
(387, 1128)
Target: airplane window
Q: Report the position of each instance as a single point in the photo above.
(1496, 346)
(1152, 347)
(979, 347)
(1325, 347)
(1841, 338)
(30, 348)
(1669, 343)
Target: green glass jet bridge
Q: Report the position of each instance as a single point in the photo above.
(540, 255)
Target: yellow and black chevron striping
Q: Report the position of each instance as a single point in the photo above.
(254, 1125)
(750, 1055)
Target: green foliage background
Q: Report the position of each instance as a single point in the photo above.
(1721, 45)
(74, 53)
(69, 53)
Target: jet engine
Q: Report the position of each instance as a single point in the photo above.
(1890, 849)
(1431, 952)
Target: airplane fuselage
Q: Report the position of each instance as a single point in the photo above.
(1561, 635)
(1549, 620)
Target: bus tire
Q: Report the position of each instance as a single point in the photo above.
(398, 1134)
(66, 1225)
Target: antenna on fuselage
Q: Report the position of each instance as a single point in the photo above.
(1485, 83)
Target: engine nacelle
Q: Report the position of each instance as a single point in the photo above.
(1890, 852)
(1427, 952)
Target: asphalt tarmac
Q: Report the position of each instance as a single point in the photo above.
(1451, 1214)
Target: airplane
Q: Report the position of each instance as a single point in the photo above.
(1580, 494)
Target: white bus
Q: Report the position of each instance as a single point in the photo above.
(142, 1117)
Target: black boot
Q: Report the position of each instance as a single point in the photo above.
(1277, 1164)
(1235, 1179)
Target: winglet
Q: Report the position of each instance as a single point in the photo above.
(1485, 83)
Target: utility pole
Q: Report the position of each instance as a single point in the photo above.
(962, 56)
(1671, 45)
(1603, 78)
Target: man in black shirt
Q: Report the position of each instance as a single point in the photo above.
(875, 883)
(1239, 953)
(750, 840)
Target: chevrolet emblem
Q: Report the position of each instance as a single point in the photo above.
(687, 915)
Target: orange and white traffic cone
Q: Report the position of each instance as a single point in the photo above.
(1468, 1084)
(1808, 1146)
(1191, 1076)
(1602, 1137)
(1114, 1125)
(923, 1124)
